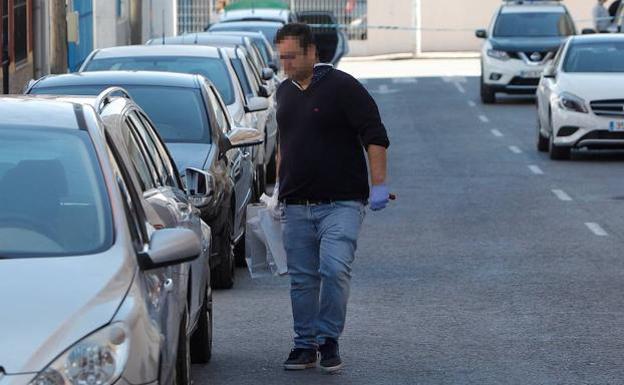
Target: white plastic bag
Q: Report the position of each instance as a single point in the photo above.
(264, 247)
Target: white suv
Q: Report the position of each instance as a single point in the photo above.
(522, 39)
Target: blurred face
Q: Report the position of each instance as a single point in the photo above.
(297, 64)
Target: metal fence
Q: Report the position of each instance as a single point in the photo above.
(193, 15)
(350, 14)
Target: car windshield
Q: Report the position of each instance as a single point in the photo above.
(269, 31)
(534, 24)
(178, 113)
(595, 57)
(54, 200)
(213, 69)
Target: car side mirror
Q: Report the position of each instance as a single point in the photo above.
(267, 74)
(199, 183)
(245, 137)
(588, 31)
(481, 34)
(256, 104)
(550, 73)
(170, 247)
(264, 92)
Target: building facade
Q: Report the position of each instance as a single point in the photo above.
(16, 43)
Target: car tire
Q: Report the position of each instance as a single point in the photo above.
(558, 152)
(201, 340)
(222, 275)
(183, 355)
(488, 95)
(542, 142)
(239, 253)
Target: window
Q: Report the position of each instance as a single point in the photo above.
(242, 77)
(220, 114)
(150, 147)
(5, 28)
(136, 157)
(171, 170)
(20, 30)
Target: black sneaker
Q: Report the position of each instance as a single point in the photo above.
(300, 359)
(330, 357)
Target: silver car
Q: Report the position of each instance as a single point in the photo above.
(103, 279)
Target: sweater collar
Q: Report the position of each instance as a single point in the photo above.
(319, 72)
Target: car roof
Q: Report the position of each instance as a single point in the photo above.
(37, 111)
(256, 13)
(114, 78)
(156, 49)
(264, 23)
(532, 6)
(249, 34)
(201, 39)
(598, 38)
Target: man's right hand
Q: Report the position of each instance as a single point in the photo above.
(380, 196)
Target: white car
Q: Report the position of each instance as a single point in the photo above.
(522, 39)
(580, 99)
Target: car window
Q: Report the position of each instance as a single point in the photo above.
(178, 113)
(533, 24)
(213, 69)
(242, 77)
(263, 50)
(594, 57)
(171, 174)
(54, 200)
(139, 163)
(219, 110)
(135, 216)
(150, 147)
(255, 78)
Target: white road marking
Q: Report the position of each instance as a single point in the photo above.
(536, 170)
(515, 149)
(497, 133)
(562, 195)
(404, 80)
(596, 229)
(484, 119)
(460, 88)
(472, 104)
(385, 90)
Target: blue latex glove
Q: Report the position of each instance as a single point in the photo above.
(379, 197)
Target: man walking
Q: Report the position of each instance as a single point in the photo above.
(326, 121)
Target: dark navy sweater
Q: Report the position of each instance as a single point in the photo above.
(323, 132)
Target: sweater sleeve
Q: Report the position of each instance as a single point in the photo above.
(362, 113)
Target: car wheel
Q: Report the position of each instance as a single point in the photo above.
(542, 142)
(239, 252)
(183, 356)
(222, 275)
(488, 96)
(201, 341)
(558, 152)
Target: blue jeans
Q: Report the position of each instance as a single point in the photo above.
(320, 243)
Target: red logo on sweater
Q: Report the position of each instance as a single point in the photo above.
(316, 109)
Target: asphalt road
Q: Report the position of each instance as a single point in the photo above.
(495, 265)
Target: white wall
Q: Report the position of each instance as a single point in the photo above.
(447, 25)
(159, 17)
(110, 30)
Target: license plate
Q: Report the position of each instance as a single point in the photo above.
(617, 125)
(531, 74)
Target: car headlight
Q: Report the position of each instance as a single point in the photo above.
(98, 359)
(570, 102)
(496, 54)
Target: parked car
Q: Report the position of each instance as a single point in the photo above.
(193, 121)
(522, 39)
(267, 27)
(331, 40)
(580, 99)
(264, 120)
(106, 261)
(269, 56)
